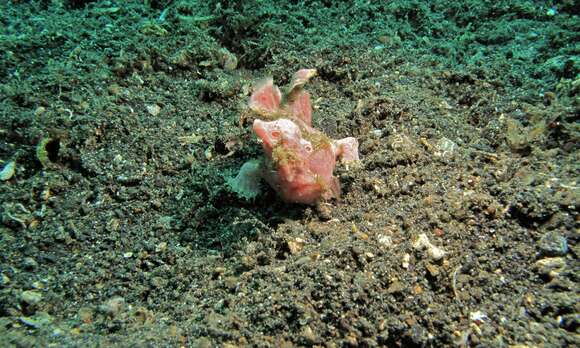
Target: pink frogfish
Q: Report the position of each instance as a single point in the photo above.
(299, 159)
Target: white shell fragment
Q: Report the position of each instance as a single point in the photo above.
(423, 243)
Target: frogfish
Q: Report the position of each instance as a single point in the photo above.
(299, 160)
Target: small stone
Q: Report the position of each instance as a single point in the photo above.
(39, 111)
(31, 297)
(478, 317)
(4, 280)
(396, 287)
(445, 147)
(295, 246)
(553, 244)
(550, 266)
(153, 109)
(8, 171)
(113, 306)
(352, 339)
(38, 285)
(432, 269)
(406, 261)
(385, 240)
(324, 210)
(377, 133)
(29, 264)
(161, 247)
(60, 235)
(304, 260)
(41, 319)
(103, 11)
(86, 315)
(208, 154)
(384, 39)
(158, 282)
(362, 236)
(308, 335)
(229, 61)
(114, 89)
(202, 342)
(231, 283)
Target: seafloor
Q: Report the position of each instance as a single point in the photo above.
(121, 121)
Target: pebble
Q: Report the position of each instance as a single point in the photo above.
(4, 280)
(406, 261)
(445, 147)
(553, 244)
(385, 240)
(550, 266)
(29, 264)
(377, 133)
(324, 211)
(478, 317)
(41, 319)
(86, 314)
(395, 288)
(113, 306)
(308, 335)
(208, 154)
(295, 246)
(31, 297)
(229, 61)
(8, 171)
(38, 285)
(432, 269)
(39, 111)
(153, 109)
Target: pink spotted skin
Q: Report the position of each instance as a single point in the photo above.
(301, 174)
(300, 171)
